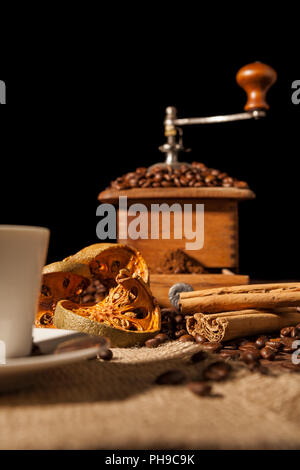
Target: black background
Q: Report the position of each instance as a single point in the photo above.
(69, 128)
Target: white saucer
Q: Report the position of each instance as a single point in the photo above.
(19, 372)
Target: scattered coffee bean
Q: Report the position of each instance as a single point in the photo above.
(274, 344)
(261, 341)
(106, 354)
(200, 339)
(200, 388)
(187, 338)
(229, 354)
(217, 371)
(180, 333)
(286, 331)
(295, 333)
(198, 357)
(152, 343)
(250, 356)
(242, 341)
(211, 347)
(162, 337)
(171, 377)
(268, 353)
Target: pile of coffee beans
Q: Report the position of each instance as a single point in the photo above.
(196, 175)
(173, 324)
(262, 352)
(172, 327)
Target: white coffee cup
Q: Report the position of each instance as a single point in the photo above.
(23, 253)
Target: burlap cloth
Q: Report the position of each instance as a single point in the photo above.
(114, 405)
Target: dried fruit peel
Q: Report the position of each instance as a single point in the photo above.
(67, 266)
(129, 315)
(106, 259)
(65, 280)
(100, 260)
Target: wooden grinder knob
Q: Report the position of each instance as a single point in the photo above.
(256, 79)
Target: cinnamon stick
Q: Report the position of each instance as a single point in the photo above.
(226, 299)
(225, 326)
